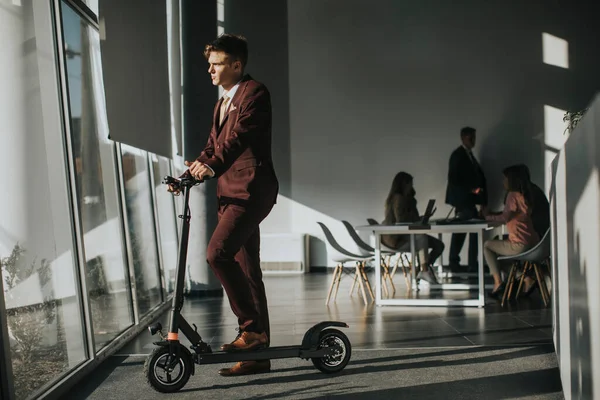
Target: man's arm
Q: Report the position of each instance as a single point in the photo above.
(255, 114)
(484, 193)
(208, 152)
(454, 176)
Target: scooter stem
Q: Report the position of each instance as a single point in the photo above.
(181, 265)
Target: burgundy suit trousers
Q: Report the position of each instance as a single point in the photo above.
(233, 255)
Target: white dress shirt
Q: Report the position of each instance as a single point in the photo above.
(229, 93)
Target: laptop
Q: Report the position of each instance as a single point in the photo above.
(457, 220)
(447, 220)
(429, 211)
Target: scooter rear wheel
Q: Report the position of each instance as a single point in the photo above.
(168, 373)
(336, 362)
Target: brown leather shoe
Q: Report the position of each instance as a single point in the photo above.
(247, 368)
(247, 341)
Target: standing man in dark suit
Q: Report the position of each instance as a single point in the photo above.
(466, 189)
(238, 153)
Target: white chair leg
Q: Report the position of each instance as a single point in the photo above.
(333, 281)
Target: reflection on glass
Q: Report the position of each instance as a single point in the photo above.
(93, 5)
(166, 221)
(46, 336)
(106, 271)
(140, 219)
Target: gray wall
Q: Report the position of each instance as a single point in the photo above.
(264, 24)
(383, 86)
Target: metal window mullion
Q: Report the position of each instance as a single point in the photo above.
(125, 231)
(78, 240)
(84, 12)
(159, 253)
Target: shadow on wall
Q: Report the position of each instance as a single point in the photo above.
(581, 229)
(291, 216)
(500, 148)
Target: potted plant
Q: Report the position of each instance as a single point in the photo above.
(572, 118)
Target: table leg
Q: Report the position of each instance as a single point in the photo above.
(412, 264)
(480, 274)
(377, 268)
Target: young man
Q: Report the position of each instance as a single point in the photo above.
(238, 153)
(466, 188)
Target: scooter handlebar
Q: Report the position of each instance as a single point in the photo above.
(180, 183)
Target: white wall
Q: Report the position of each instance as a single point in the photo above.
(576, 229)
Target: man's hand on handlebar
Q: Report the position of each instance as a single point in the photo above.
(197, 173)
(199, 170)
(173, 189)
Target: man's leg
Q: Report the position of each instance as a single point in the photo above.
(249, 259)
(458, 239)
(456, 244)
(235, 227)
(465, 214)
(473, 252)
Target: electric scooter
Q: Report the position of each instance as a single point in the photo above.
(170, 365)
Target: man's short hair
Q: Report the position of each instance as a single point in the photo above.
(467, 131)
(235, 46)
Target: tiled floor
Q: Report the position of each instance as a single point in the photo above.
(397, 352)
(298, 302)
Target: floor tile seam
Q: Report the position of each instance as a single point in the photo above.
(457, 331)
(525, 322)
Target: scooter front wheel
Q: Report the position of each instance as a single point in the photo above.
(337, 361)
(167, 372)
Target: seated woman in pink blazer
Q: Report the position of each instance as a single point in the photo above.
(517, 217)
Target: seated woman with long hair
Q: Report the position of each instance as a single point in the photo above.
(401, 206)
(517, 217)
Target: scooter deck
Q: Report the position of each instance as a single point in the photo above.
(269, 353)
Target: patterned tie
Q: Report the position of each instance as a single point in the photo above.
(224, 106)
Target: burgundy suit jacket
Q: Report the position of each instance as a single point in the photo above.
(239, 150)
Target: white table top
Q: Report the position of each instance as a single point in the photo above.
(432, 228)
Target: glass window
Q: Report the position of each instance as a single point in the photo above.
(107, 276)
(38, 261)
(93, 5)
(167, 227)
(142, 233)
